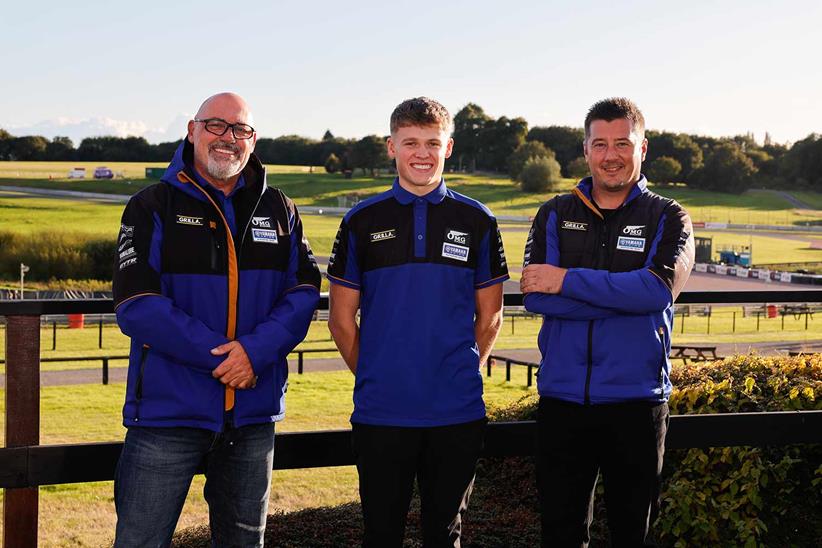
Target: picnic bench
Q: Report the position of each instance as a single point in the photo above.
(686, 352)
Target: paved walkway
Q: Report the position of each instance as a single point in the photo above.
(118, 374)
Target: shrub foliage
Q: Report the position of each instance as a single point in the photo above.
(59, 255)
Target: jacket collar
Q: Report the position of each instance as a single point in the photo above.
(182, 167)
(404, 197)
(586, 185)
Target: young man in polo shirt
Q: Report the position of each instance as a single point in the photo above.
(425, 266)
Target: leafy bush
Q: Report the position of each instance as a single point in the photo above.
(523, 153)
(744, 496)
(540, 174)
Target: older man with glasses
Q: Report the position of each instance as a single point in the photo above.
(215, 284)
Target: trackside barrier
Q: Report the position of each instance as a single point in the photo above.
(25, 464)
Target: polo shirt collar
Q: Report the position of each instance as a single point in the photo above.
(404, 197)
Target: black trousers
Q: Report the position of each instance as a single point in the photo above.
(443, 460)
(626, 442)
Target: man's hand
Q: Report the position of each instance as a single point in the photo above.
(234, 371)
(542, 278)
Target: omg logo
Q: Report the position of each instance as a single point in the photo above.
(457, 237)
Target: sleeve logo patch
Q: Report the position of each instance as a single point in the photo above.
(634, 230)
(631, 244)
(457, 252)
(189, 220)
(574, 225)
(262, 222)
(457, 237)
(383, 235)
(264, 236)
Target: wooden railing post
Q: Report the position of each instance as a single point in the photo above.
(20, 506)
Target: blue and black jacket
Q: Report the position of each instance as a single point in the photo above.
(418, 262)
(197, 269)
(606, 337)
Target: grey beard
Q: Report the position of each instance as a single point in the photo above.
(222, 170)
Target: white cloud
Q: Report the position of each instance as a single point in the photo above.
(78, 129)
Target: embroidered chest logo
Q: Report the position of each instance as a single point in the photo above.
(453, 251)
(261, 222)
(574, 225)
(631, 244)
(189, 220)
(457, 237)
(383, 235)
(264, 235)
(634, 230)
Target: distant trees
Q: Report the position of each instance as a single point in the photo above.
(677, 146)
(369, 153)
(726, 169)
(469, 123)
(566, 142)
(664, 169)
(480, 142)
(802, 163)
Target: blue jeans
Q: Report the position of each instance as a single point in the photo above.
(155, 472)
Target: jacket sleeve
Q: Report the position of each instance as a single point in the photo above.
(651, 288)
(143, 313)
(287, 323)
(542, 247)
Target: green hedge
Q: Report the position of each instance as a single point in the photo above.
(56, 255)
(745, 496)
(737, 496)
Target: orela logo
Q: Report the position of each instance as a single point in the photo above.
(189, 220)
(384, 235)
(574, 225)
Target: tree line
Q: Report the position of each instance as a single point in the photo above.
(535, 157)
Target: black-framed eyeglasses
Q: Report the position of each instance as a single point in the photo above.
(218, 126)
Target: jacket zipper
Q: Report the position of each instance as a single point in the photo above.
(138, 392)
(590, 362)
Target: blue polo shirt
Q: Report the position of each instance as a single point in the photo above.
(417, 262)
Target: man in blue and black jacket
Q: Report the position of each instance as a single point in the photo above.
(603, 265)
(424, 265)
(215, 284)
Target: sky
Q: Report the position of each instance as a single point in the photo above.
(718, 68)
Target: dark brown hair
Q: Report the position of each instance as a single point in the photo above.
(615, 108)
